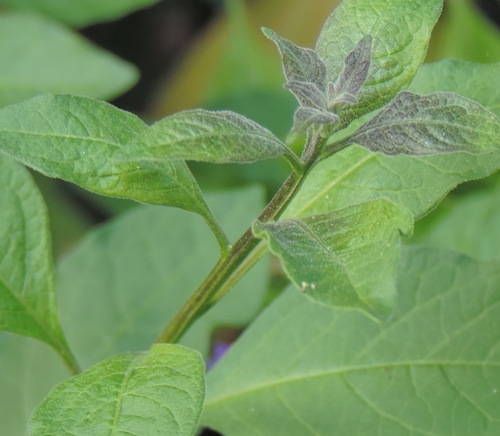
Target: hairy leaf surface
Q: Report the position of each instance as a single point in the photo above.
(479, 82)
(432, 369)
(45, 57)
(27, 295)
(436, 123)
(84, 141)
(81, 12)
(344, 258)
(157, 392)
(400, 32)
(134, 273)
(218, 137)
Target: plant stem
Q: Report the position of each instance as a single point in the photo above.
(67, 356)
(201, 299)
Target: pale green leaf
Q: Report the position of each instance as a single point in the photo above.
(29, 369)
(27, 295)
(39, 56)
(81, 12)
(84, 142)
(418, 183)
(157, 392)
(344, 258)
(217, 137)
(433, 368)
(436, 123)
(400, 31)
(305, 117)
(127, 279)
(479, 82)
(468, 223)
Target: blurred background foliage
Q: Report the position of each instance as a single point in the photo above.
(200, 53)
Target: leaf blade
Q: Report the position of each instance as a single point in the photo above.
(347, 258)
(400, 375)
(400, 33)
(436, 123)
(129, 393)
(49, 58)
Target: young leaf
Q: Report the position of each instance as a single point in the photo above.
(307, 116)
(29, 369)
(81, 12)
(157, 392)
(432, 369)
(400, 32)
(479, 82)
(218, 137)
(299, 64)
(355, 72)
(436, 123)
(134, 273)
(48, 58)
(27, 295)
(345, 258)
(84, 142)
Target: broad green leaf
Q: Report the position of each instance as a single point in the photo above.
(81, 12)
(433, 368)
(29, 369)
(157, 392)
(84, 142)
(418, 183)
(217, 137)
(299, 64)
(436, 123)
(468, 224)
(27, 295)
(400, 31)
(124, 282)
(479, 82)
(344, 258)
(45, 57)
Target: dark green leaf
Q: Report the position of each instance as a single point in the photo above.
(84, 141)
(345, 258)
(29, 369)
(81, 12)
(436, 123)
(218, 137)
(479, 82)
(134, 273)
(157, 392)
(27, 295)
(400, 32)
(355, 72)
(299, 64)
(432, 369)
(47, 58)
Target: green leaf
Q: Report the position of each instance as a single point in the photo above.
(468, 224)
(479, 82)
(27, 295)
(345, 258)
(157, 392)
(29, 369)
(85, 142)
(299, 64)
(418, 183)
(307, 116)
(46, 57)
(217, 137)
(432, 369)
(436, 123)
(400, 32)
(81, 12)
(134, 273)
